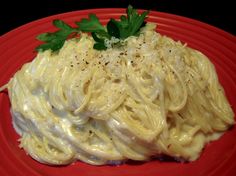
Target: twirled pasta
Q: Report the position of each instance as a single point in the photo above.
(150, 97)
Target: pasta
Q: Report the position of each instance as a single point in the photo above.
(151, 97)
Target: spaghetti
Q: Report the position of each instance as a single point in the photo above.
(150, 97)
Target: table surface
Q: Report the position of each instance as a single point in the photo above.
(217, 13)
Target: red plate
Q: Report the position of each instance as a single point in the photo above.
(217, 159)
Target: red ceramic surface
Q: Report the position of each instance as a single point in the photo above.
(217, 159)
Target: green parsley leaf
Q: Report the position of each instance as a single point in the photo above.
(113, 29)
(54, 46)
(62, 25)
(128, 25)
(97, 38)
(90, 25)
(55, 40)
(99, 46)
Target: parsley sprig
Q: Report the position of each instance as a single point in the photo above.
(56, 40)
(128, 25)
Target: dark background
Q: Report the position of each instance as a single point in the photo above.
(217, 13)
